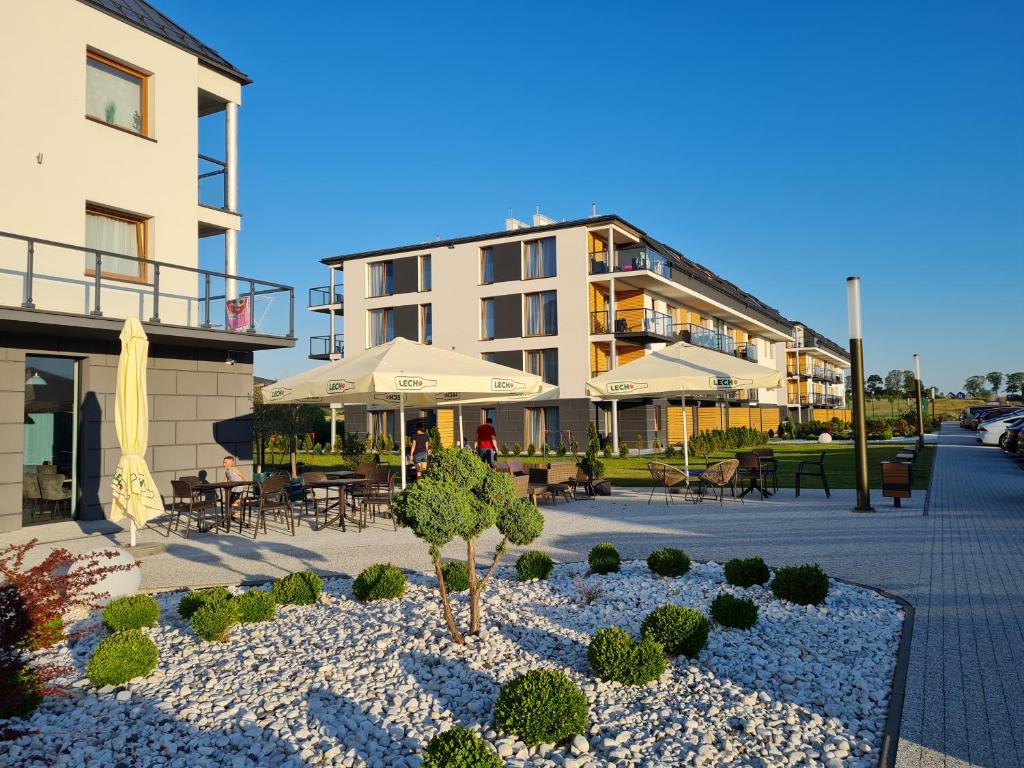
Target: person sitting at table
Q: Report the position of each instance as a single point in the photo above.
(233, 474)
(419, 451)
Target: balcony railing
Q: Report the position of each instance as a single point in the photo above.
(213, 190)
(154, 291)
(633, 321)
(705, 337)
(631, 259)
(818, 398)
(320, 347)
(321, 295)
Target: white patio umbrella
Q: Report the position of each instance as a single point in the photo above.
(678, 369)
(135, 495)
(403, 372)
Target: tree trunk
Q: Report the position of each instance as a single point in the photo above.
(446, 605)
(474, 587)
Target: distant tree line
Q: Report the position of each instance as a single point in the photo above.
(989, 385)
(900, 384)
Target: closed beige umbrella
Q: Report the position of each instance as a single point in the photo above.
(135, 494)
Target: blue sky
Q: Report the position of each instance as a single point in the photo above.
(784, 145)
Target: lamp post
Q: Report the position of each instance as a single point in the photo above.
(860, 436)
(920, 412)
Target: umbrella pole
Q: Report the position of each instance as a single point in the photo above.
(462, 439)
(132, 533)
(686, 444)
(401, 433)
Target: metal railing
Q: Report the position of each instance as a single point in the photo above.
(239, 310)
(321, 295)
(213, 195)
(630, 259)
(819, 398)
(705, 337)
(747, 352)
(639, 320)
(320, 346)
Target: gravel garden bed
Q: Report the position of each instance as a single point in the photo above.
(348, 683)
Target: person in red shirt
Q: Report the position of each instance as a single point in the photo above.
(487, 442)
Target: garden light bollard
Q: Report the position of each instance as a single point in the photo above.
(860, 443)
(919, 393)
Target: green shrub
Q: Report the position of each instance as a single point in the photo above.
(604, 558)
(623, 451)
(302, 588)
(255, 606)
(380, 581)
(454, 465)
(520, 521)
(213, 620)
(21, 690)
(541, 707)
(120, 658)
(614, 655)
(456, 576)
(534, 564)
(607, 450)
(803, 584)
(459, 748)
(45, 635)
(496, 488)
(517, 450)
(746, 571)
(731, 611)
(680, 630)
(668, 562)
(531, 449)
(193, 601)
(132, 612)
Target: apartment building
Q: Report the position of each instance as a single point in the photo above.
(104, 202)
(569, 300)
(815, 376)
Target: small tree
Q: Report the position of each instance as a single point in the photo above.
(995, 378)
(434, 438)
(461, 497)
(294, 423)
(975, 387)
(592, 465)
(1014, 383)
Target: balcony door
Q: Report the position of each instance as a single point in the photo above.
(49, 488)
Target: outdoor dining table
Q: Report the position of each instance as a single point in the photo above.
(222, 489)
(339, 485)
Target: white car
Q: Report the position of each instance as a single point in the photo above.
(989, 432)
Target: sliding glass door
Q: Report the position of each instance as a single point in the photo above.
(49, 487)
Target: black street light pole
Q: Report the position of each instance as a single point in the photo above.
(920, 412)
(860, 432)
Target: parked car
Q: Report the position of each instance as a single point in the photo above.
(991, 430)
(979, 413)
(1011, 437)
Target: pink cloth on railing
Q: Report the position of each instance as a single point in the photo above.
(239, 313)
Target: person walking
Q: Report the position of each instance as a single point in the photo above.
(419, 450)
(487, 442)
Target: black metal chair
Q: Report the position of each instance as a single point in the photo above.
(769, 466)
(811, 468)
(751, 471)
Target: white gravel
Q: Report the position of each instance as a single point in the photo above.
(347, 684)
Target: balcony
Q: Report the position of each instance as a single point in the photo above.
(46, 284)
(631, 259)
(213, 183)
(705, 337)
(819, 398)
(320, 299)
(641, 325)
(320, 347)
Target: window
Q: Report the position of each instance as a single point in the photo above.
(541, 314)
(542, 426)
(489, 413)
(425, 272)
(426, 324)
(543, 363)
(116, 94)
(540, 258)
(115, 232)
(487, 318)
(50, 436)
(382, 275)
(486, 266)
(489, 357)
(382, 326)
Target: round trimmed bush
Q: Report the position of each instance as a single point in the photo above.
(21, 687)
(614, 655)
(668, 562)
(520, 522)
(193, 601)
(302, 588)
(541, 707)
(454, 465)
(459, 748)
(120, 658)
(802, 584)
(456, 577)
(380, 581)
(604, 558)
(132, 612)
(746, 571)
(731, 611)
(213, 620)
(680, 630)
(255, 606)
(497, 488)
(534, 564)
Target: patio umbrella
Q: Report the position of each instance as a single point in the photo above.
(678, 369)
(135, 493)
(401, 373)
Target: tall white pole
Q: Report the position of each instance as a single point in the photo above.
(613, 358)
(462, 438)
(686, 444)
(334, 426)
(231, 196)
(401, 433)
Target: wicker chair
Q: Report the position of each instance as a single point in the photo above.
(189, 502)
(719, 475)
(553, 480)
(521, 480)
(664, 476)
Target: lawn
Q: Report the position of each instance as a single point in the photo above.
(632, 471)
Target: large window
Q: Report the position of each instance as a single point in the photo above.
(382, 276)
(486, 266)
(116, 94)
(543, 363)
(542, 426)
(425, 272)
(426, 324)
(540, 258)
(115, 232)
(541, 314)
(487, 318)
(50, 439)
(382, 326)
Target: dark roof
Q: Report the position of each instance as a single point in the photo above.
(144, 16)
(824, 340)
(678, 260)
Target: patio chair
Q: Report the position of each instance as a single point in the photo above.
(811, 468)
(53, 492)
(582, 480)
(378, 490)
(719, 475)
(520, 480)
(317, 497)
(185, 500)
(664, 476)
(552, 481)
(750, 469)
(769, 466)
(31, 495)
(272, 497)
